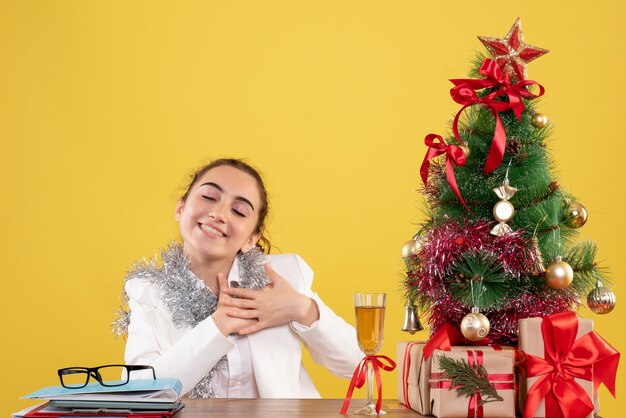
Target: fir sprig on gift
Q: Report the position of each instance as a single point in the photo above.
(468, 379)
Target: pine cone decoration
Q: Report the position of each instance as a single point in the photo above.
(513, 146)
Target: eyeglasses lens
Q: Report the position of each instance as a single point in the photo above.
(113, 375)
(74, 378)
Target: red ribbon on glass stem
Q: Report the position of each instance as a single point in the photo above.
(360, 376)
(590, 358)
(464, 93)
(454, 155)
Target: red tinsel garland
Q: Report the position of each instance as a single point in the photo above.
(446, 242)
(445, 245)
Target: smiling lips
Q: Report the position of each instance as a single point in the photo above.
(211, 231)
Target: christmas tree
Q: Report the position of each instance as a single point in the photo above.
(500, 242)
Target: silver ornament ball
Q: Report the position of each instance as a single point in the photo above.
(411, 248)
(601, 300)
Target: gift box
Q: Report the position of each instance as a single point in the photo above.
(414, 372)
(498, 373)
(413, 376)
(565, 362)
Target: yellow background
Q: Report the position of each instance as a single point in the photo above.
(106, 107)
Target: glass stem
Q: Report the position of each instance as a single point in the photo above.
(369, 384)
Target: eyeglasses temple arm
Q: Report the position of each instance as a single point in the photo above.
(133, 367)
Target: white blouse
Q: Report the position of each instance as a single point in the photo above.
(266, 364)
(238, 381)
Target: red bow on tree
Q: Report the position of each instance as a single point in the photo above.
(464, 93)
(590, 358)
(454, 155)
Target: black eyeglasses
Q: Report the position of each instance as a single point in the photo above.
(109, 375)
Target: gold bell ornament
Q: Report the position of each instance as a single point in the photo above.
(601, 300)
(411, 322)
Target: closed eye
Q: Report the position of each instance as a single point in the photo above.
(238, 213)
(212, 199)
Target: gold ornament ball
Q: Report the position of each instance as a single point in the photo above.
(539, 120)
(503, 211)
(576, 215)
(601, 300)
(475, 326)
(410, 248)
(559, 274)
(466, 150)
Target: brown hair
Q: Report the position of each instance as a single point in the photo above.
(264, 243)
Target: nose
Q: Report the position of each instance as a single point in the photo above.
(216, 212)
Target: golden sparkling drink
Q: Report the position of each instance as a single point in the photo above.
(369, 328)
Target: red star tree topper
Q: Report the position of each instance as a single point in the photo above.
(511, 53)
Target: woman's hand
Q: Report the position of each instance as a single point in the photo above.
(277, 304)
(225, 323)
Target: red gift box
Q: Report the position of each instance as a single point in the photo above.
(499, 364)
(565, 362)
(413, 375)
(414, 371)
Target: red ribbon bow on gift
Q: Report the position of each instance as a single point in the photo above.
(360, 375)
(454, 155)
(448, 336)
(589, 358)
(464, 93)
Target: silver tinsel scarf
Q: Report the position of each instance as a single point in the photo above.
(187, 298)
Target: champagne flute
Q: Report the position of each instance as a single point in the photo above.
(370, 319)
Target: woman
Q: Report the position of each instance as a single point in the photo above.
(219, 315)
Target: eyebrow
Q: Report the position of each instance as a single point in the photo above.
(218, 187)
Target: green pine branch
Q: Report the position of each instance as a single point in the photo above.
(582, 258)
(467, 380)
(540, 210)
(478, 279)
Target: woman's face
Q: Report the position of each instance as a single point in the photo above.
(220, 214)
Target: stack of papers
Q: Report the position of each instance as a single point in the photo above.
(137, 398)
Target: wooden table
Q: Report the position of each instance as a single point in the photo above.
(285, 408)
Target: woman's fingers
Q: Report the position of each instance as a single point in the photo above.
(221, 282)
(251, 329)
(277, 304)
(242, 313)
(240, 292)
(240, 303)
